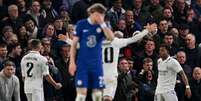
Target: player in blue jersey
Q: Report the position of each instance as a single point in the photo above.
(89, 34)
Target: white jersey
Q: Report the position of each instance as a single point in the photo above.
(34, 67)
(167, 74)
(110, 52)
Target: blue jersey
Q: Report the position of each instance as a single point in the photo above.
(89, 58)
(90, 39)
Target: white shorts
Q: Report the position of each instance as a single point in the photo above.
(110, 86)
(35, 96)
(167, 96)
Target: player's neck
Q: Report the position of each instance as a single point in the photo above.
(90, 20)
(164, 57)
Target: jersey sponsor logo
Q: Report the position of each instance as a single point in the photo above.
(91, 41)
(79, 82)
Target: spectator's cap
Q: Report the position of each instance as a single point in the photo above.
(63, 8)
(7, 29)
(183, 26)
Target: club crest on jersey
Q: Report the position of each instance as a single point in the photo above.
(79, 82)
(98, 30)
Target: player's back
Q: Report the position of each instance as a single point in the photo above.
(33, 68)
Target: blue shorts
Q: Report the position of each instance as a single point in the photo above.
(89, 76)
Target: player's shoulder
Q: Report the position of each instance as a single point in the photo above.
(82, 22)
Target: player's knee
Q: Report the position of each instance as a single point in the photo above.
(97, 96)
(80, 97)
(107, 98)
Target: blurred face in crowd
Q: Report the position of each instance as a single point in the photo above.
(198, 2)
(121, 24)
(8, 71)
(197, 73)
(168, 39)
(163, 52)
(147, 66)
(18, 50)
(183, 32)
(13, 11)
(169, 3)
(12, 39)
(191, 13)
(181, 57)
(155, 2)
(167, 13)
(65, 51)
(130, 63)
(35, 7)
(22, 31)
(46, 45)
(21, 3)
(124, 65)
(137, 4)
(190, 41)
(3, 52)
(47, 4)
(149, 75)
(30, 25)
(50, 30)
(149, 46)
(129, 17)
(118, 4)
(163, 26)
(181, 4)
(58, 24)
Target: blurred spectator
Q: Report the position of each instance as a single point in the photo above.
(63, 12)
(58, 24)
(126, 88)
(195, 84)
(68, 88)
(21, 4)
(7, 32)
(50, 12)
(140, 14)
(3, 54)
(23, 37)
(162, 29)
(183, 31)
(193, 52)
(155, 9)
(131, 24)
(147, 86)
(49, 32)
(9, 83)
(116, 12)
(197, 8)
(37, 14)
(169, 41)
(13, 18)
(168, 16)
(30, 25)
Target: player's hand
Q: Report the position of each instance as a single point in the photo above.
(151, 27)
(58, 85)
(188, 92)
(72, 69)
(99, 18)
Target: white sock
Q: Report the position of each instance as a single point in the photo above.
(97, 96)
(80, 97)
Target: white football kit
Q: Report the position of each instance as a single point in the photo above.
(167, 73)
(34, 67)
(110, 52)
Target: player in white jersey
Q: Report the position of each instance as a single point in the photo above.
(34, 68)
(110, 51)
(168, 68)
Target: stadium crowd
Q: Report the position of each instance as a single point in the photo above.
(54, 23)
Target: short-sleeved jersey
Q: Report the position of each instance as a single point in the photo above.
(34, 67)
(167, 73)
(90, 40)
